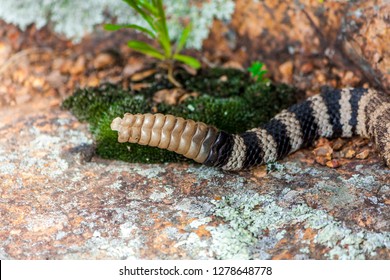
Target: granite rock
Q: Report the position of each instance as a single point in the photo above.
(346, 42)
(59, 201)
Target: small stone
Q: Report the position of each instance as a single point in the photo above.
(130, 69)
(38, 83)
(324, 151)
(338, 144)
(260, 171)
(93, 81)
(78, 67)
(66, 65)
(55, 79)
(5, 52)
(322, 142)
(286, 69)
(349, 153)
(223, 78)
(321, 78)
(321, 160)
(142, 75)
(139, 86)
(168, 96)
(307, 68)
(22, 98)
(233, 65)
(103, 60)
(349, 78)
(334, 163)
(57, 63)
(363, 155)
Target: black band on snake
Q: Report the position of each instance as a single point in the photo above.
(333, 113)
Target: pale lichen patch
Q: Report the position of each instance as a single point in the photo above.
(249, 215)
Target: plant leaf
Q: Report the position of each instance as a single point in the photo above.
(189, 60)
(163, 33)
(151, 8)
(165, 44)
(145, 16)
(114, 27)
(183, 38)
(145, 48)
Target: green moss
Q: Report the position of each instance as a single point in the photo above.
(217, 82)
(228, 99)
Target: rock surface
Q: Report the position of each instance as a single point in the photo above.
(334, 42)
(59, 202)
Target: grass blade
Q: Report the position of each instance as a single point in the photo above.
(161, 22)
(145, 48)
(183, 38)
(144, 15)
(189, 60)
(149, 7)
(114, 27)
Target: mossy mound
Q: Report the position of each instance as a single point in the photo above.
(228, 99)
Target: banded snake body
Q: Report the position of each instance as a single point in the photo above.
(332, 113)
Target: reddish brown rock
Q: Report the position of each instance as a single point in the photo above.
(363, 155)
(58, 201)
(79, 66)
(352, 37)
(104, 60)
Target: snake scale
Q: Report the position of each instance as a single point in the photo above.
(332, 113)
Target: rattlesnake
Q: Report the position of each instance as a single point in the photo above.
(332, 113)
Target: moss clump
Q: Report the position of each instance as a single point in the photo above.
(228, 99)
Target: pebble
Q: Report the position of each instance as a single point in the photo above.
(5, 52)
(22, 98)
(38, 83)
(307, 68)
(103, 60)
(321, 160)
(338, 144)
(78, 67)
(139, 86)
(65, 66)
(286, 69)
(321, 78)
(142, 75)
(131, 69)
(233, 65)
(93, 81)
(323, 151)
(363, 155)
(55, 79)
(349, 153)
(168, 96)
(334, 163)
(223, 78)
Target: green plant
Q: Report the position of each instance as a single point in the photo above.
(152, 11)
(218, 104)
(257, 71)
